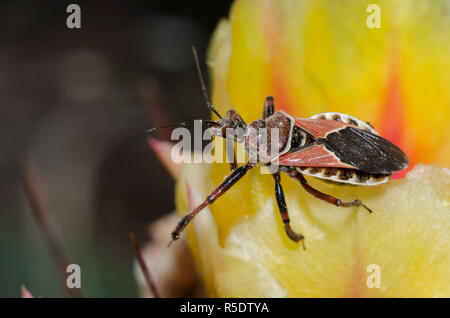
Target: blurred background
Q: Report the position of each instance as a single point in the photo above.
(71, 100)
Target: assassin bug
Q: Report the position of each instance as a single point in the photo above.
(331, 146)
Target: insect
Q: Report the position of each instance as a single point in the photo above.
(330, 146)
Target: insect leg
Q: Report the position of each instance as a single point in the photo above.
(269, 107)
(231, 154)
(221, 189)
(232, 114)
(284, 212)
(236, 117)
(323, 196)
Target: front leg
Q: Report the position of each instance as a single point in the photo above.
(231, 154)
(284, 212)
(323, 196)
(235, 176)
(232, 114)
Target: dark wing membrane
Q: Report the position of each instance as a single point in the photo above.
(365, 151)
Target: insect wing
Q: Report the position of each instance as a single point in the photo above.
(319, 128)
(365, 151)
(343, 145)
(312, 156)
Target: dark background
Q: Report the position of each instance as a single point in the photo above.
(71, 99)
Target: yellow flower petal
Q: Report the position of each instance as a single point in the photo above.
(407, 236)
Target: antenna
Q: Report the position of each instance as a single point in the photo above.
(205, 123)
(202, 83)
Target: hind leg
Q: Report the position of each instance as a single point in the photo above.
(323, 196)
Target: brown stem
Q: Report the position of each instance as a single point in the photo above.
(145, 271)
(36, 194)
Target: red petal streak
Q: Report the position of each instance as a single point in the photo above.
(190, 196)
(272, 24)
(392, 122)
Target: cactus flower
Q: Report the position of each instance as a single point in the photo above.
(313, 57)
